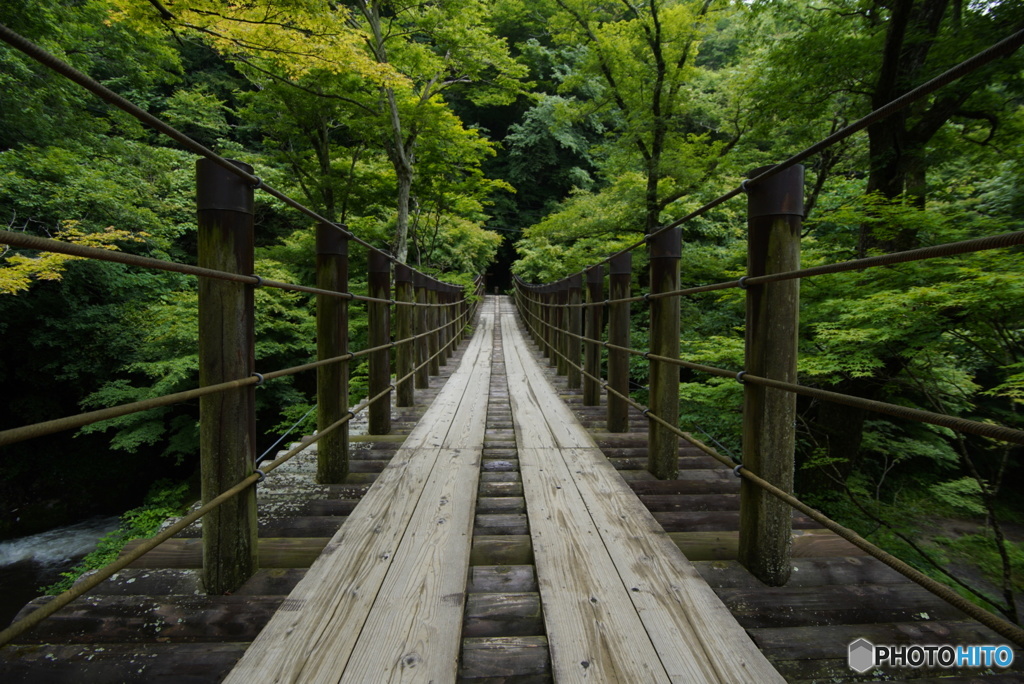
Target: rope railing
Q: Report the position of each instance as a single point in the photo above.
(954, 423)
(924, 253)
(50, 427)
(34, 242)
(88, 583)
(997, 624)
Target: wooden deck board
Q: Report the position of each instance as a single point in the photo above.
(395, 574)
(605, 568)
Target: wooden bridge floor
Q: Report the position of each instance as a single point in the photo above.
(472, 559)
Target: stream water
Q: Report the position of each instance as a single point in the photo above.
(28, 563)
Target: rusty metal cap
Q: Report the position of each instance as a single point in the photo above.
(621, 264)
(595, 275)
(378, 262)
(219, 188)
(403, 273)
(331, 239)
(779, 195)
(667, 244)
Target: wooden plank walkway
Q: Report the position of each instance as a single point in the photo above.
(621, 602)
(384, 601)
(525, 615)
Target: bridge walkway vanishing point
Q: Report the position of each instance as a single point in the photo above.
(502, 542)
(385, 600)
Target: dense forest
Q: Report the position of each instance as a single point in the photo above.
(537, 137)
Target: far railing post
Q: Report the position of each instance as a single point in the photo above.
(573, 328)
(227, 420)
(594, 316)
(422, 325)
(433, 340)
(405, 354)
(662, 444)
(379, 334)
(561, 326)
(331, 342)
(445, 297)
(619, 283)
(775, 210)
(551, 323)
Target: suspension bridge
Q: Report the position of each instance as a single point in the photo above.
(511, 513)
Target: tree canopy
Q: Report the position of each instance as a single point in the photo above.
(537, 136)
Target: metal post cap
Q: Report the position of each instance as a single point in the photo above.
(219, 188)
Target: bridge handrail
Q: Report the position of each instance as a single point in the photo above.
(567, 326)
(89, 582)
(431, 318)
(994, 622)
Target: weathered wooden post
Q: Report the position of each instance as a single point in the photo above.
(594, 321)
(550, 323)
(227, 420)
(405, 354)
(620, 274)
(379, 283)
(433, 340)
(663, 445)
(332, 341)
(561, 325)
(775, 210)
(444, 298)
(422, 325)
(574, 327)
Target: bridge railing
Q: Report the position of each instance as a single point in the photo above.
(566, 319)
(412, 332)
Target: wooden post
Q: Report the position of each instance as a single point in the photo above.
(551, 298)
(405, 354)
(663, 445)
(445, 312)
(379, 283)
(775, 210)
(594, 321)
(574, 327)
(561, 325)
(434, 337)
(543, 331)
(422, 325)
(227, 420)
(619, 282)
(332, 341)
